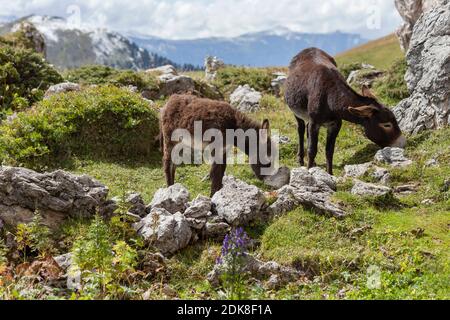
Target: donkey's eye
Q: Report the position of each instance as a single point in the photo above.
(387, 125)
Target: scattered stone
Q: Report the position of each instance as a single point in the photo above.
(280, 179)
(427, 202)
(406, 189)
(278, 82)
(238, 203)
(216, 230)
(432, 163)
(357, 171)
(309, 188)
(364, 77)
(173, 199)
(246, 99)
(212, 65)
(281, 139)
(64, 261)
(167, 232)
(369, 189)
(62, 88)
(381, 175)
(261, 271)
(57, 196)
(199, 208)
(393, 156)
(176, 85)
(164, 71)
(427, 78)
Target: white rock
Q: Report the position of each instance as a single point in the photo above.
(246, 99)
(368, 189)
(199, 208)
(167, 232)
(212, 65)
(237, 202)
(173, 199)
(280, 179)
(427, 78)
(393, 156)
(61, 88)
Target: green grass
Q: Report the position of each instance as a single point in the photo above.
(380, 53)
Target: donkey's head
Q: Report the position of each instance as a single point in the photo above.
(380, 124)
(264, 160)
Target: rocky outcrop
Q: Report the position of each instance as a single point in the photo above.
(238, 203)
(33, 36)
(278, 83)
(62, 88)
(167, 232)
(173, 199)
(56, 196)
(393, 156)
(427, 76)
(212, 65)
(246, 99)
(279, 179)
(312, 189)
(411, 10)
(364, 77)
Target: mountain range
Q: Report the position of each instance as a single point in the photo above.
(70, 46)
(268, 48)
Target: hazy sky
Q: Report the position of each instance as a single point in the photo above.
(182, 19)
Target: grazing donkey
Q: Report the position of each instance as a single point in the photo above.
(319, 96)
(184, 111)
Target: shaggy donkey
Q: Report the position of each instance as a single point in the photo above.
(184, 111)
(319, 96)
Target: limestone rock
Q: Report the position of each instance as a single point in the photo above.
(246, 99)
(167, 232)
(57, 196)
(237, 202)
(280, 179)
(393, 156)
(427, 78)
(173, 199)
(368, 189)
(62, 88)
(212, 65)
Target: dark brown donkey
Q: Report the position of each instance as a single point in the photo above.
(319, 96)
(183, 111)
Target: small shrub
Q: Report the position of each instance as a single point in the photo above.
(271, 102)
(33, 237)
(101, 75)
(103, 123)
(392, 88)
(229, 78)
(24, 78)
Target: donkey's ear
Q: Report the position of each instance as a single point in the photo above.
(366, 92)
(363, 112)
(265, 130)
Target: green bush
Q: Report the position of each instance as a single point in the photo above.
(104, 123)
(392, 88)
(24, 78)
(229, 78)
(99, 75)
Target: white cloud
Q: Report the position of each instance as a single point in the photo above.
(180, 19)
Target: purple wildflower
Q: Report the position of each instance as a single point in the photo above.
(234, 244)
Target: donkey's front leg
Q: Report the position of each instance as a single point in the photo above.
(217, 174)
(313, 141)
(301, 141)
(333, 132)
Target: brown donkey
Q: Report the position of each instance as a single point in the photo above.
(184, 111)
(319, 96)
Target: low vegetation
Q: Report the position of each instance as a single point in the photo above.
(229, 78)
(97, 122)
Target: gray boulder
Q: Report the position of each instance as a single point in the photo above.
(246, 99)
(57, 196)
(427, 78)
(280, 179)
(359, 170)
(176, 85)
(311, 189)
(212, 65)
(167, 232)
(238, 203)
(368, 189)
(62, 88)
(173, 199)
(393, 156)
